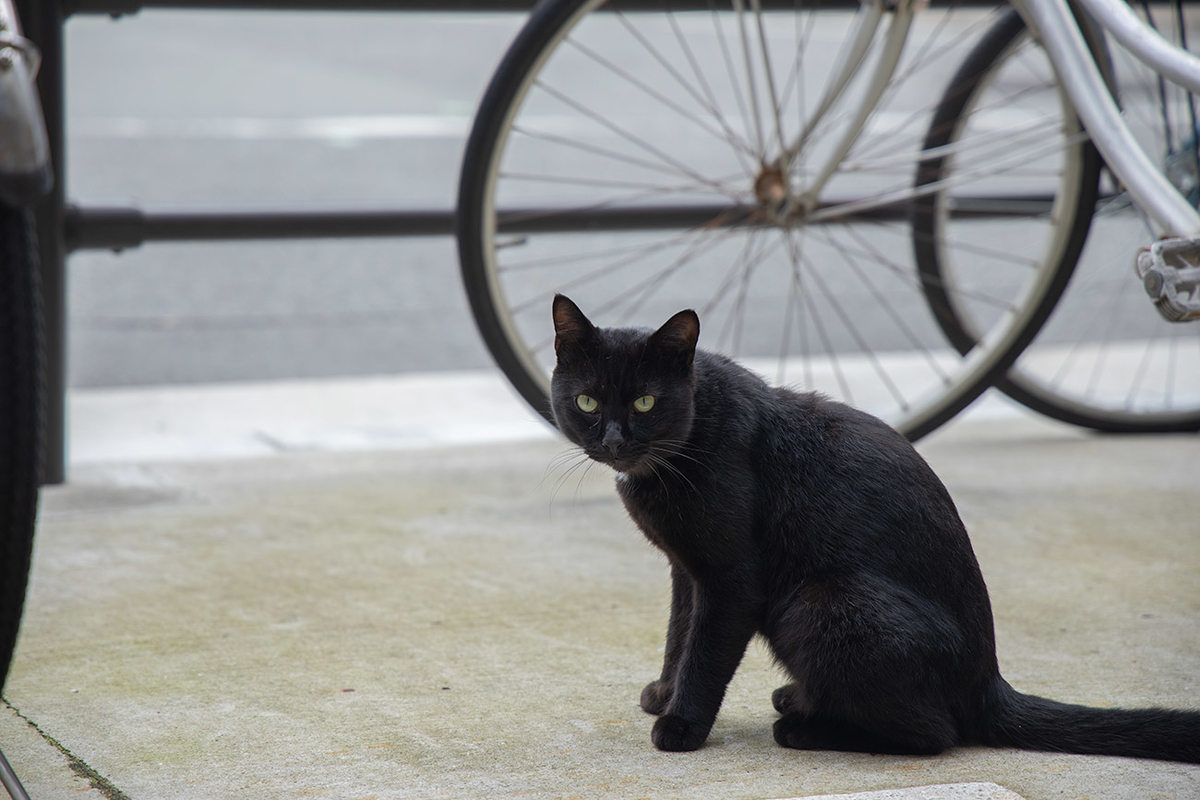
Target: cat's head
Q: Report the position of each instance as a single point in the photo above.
(625, 396)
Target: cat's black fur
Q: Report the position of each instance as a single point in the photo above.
(820, 528)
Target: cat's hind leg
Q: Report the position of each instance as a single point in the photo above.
(791, 699)
(802, 732)
(873, 666)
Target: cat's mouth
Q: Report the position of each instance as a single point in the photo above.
(625, 462)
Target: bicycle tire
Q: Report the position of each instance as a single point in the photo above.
(21, 418)
(558, 31)
(1051, 377)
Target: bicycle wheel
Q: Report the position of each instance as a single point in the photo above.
(1105, 359)
(20, 418)
(647, 158)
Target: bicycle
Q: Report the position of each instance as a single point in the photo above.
(841, 210)
(24, 177)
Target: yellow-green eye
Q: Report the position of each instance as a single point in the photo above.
(644, 403)
(587, 404)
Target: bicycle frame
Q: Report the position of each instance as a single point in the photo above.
(1172, 62)
(1065, 47)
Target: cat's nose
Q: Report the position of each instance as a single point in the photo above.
(613, 439)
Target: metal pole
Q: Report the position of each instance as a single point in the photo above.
(10, 781)
(43, 24)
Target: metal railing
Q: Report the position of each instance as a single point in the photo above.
(64, 226)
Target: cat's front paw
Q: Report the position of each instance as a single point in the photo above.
(676, 734)
(656, 697)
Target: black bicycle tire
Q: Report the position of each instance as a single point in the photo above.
(1012, 383)
(21, 418)
(548, 17)
(544, 21)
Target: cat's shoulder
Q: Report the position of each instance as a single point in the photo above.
(824, 418)
(724, 374)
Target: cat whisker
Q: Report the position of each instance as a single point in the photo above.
(569, 471)
(655, 459)
(582, 477)
(653, 463)
(560, 459)
(679, 447)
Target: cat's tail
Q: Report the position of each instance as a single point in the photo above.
(1023, 721)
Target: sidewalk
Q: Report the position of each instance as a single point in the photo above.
(401, 588)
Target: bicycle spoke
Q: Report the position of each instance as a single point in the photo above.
(517, 266)
(570, 180)
(885, 303)
(769, 74)
(740, 270)
(740, 306)
(610, 154)
(608, 269)
(632, 138)
(737, 144)
(708, 101)
(648, 286)
(731, 73)
(751, 85)
(797, 258)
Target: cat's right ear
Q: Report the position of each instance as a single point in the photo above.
(572, 330)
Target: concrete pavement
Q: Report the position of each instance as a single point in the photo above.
(367, 600)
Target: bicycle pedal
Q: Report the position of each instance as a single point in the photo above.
(1170, 273)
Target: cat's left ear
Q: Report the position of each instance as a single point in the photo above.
(678, 336)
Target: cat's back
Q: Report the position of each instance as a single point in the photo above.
(838, 472)
(815, 459)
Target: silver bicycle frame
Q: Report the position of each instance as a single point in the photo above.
(1082, 82)
(1173, 63)
(1065, 46)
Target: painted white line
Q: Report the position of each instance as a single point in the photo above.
(340, 128)
(399, 126)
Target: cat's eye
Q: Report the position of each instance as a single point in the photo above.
(644, 403)
(587, 404)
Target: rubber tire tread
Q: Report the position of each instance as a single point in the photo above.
(22, 407)
(547, 18)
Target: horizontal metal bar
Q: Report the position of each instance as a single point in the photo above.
(120, 7)
(123, 227)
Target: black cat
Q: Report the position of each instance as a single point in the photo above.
(820, 528)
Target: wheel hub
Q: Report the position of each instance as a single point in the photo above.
(771, 191)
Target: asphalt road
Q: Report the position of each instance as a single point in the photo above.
(280, 108)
